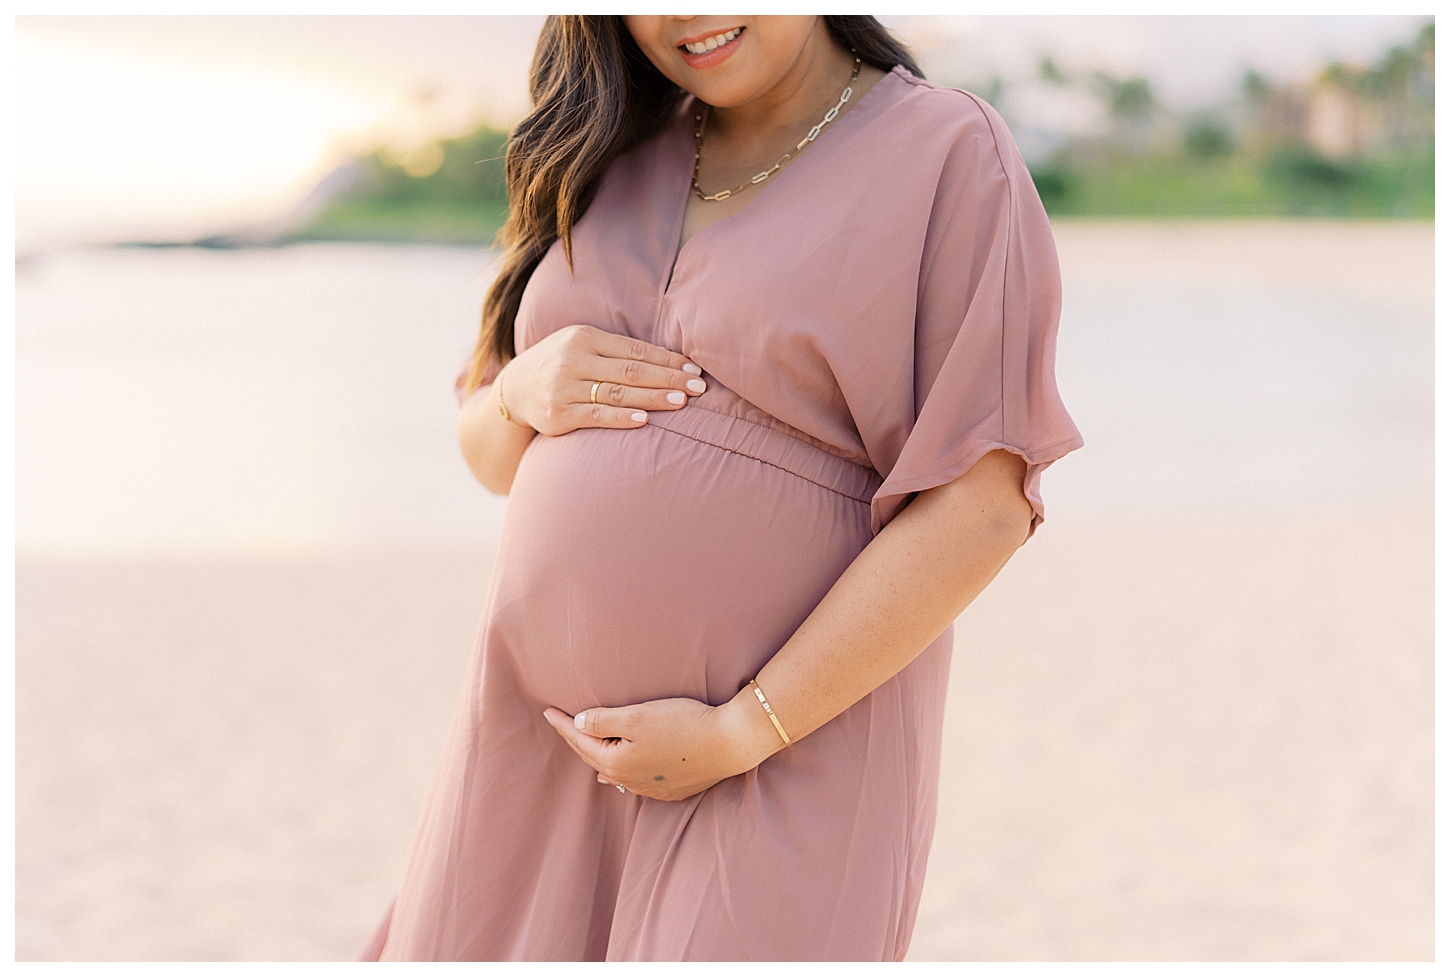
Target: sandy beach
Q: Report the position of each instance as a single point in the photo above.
(1191, 720)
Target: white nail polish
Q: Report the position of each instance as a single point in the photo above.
(692, 368)
(579, 720)
(695, 386)
(675, 397)
(639, 415)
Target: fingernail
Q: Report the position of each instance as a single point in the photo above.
(675, 397)
(695, 386)
(639, 415)
(692, 368)
(579, 720)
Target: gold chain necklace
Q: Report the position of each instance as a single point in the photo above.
(764, 175)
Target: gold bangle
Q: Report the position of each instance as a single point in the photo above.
(771, 713)
(502, 409)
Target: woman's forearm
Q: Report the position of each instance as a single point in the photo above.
(577, 376)
(491, 446)
(902, 591)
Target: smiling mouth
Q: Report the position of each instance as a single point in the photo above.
(711, 43)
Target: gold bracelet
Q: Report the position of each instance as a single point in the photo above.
(498, 387)
(771, 713)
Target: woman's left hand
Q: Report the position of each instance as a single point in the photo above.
(667, 749)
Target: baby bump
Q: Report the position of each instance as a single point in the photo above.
(669, 560)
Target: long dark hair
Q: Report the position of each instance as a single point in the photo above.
(595, 96)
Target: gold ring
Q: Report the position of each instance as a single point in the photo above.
(594, 392)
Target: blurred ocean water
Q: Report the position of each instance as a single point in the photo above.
(191, 400)
(188, 400)
(1236, 367)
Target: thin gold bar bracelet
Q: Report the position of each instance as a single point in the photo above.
(498, 388)
(771, 713)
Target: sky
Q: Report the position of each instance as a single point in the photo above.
(179, 127)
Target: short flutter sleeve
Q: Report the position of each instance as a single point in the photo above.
(988, 299)
(460, 383)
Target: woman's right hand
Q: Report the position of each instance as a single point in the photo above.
(547, 386)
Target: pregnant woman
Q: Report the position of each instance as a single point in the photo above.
(767, 375)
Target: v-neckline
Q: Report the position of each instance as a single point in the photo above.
(689, 174)
(684, 208)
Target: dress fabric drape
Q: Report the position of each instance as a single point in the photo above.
(879, 317)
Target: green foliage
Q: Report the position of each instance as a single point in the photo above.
(1263, 163)
(1398, 68)
(471, 170)
(451, 191)
(1301, 166)
(1255, 86)
(1290, 183)
(1127, 98)
(1206, 138)
(416, 221)
(1049, 71)
(1055, 186)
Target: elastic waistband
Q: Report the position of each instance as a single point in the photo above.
(773, 447)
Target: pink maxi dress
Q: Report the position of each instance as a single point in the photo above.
(879, 317)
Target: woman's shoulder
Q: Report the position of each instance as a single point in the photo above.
(954, 133)
(949, 112)
(644, 167)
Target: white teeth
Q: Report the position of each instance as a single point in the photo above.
(711, 43)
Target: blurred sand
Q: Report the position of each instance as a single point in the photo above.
(1213, 742)
(1191, 720)
(1194, 742)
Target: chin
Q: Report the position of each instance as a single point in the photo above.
(730, 88)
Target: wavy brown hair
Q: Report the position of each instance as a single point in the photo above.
(595, 96)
